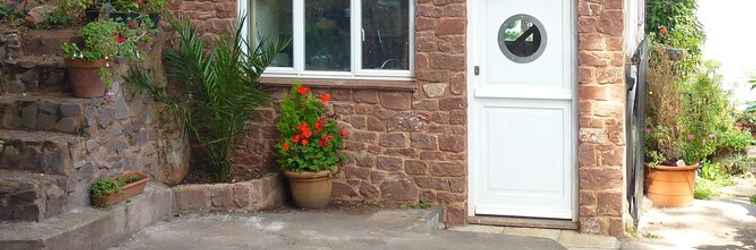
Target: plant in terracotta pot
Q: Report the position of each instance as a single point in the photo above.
(89, 62)
(309, 150)
(670, 179)
(689, 120)
(109, 191)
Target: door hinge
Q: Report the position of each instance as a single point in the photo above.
(476, 70)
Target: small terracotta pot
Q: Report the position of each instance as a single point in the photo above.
(671, 186)
(84, 78)
(128, 191)
(310, 189)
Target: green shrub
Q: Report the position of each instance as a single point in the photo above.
(753, 199)
(737, 164)
(705, 189)
(705, 109)
(104, 187)
(75, 8)
(674, 23)
(221, 84)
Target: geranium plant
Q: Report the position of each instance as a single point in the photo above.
(310, 140)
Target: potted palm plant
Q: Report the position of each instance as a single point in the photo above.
(309, 149)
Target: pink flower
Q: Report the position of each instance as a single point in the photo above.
(691, 137)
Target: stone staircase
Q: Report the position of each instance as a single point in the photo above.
(53, 146)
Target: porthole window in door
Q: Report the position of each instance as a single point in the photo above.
(522, 38)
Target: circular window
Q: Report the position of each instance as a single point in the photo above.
(522, 38)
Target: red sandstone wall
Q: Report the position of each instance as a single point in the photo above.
(409, 146)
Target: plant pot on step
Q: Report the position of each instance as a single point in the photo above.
(310, 189)
(84, 77)
(131, 189)
(670, 186)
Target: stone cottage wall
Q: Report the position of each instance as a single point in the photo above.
(601, 88)
(410, 145)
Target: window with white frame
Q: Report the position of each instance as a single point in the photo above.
(337, 38)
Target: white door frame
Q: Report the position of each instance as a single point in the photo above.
(473, 59)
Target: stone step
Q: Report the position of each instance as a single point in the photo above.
(32, 112)
(34, 73)
(26, 196)
(89, 228)
(39, 152)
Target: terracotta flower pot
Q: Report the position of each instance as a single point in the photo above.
(310, 189)
(84, 78)
(671, 186)
(128, 191)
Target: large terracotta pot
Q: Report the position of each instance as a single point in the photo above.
(310, 189)
(84, 78)
(671, 186)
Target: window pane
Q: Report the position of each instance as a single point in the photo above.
(327, 35)
(385, 44)
(273, 20)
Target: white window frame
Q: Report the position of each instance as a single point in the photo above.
(356, 72)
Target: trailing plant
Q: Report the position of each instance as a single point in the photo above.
(310, 140)
(674, 23)
(126, 5)
(75, 8)
(13, 12)
(221, 86)
(154, 6)
(57, 18)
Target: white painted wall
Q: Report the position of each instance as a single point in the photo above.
(731, 40)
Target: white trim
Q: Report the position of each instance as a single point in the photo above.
(298, 35)
(473, 59)
(356, 72)
(342, 77)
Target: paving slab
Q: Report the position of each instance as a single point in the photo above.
(381, 229)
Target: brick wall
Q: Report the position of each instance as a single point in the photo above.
(601, 89)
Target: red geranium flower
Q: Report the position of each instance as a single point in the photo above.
(305, 142)
(302, 90)
(285, 146)
(296, 138)
(663, 30)
(325, 140)
(120, 39)
(344, 132)
(304, 129)
(325, 98)
(319, 124)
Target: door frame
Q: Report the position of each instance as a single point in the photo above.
(473, 59)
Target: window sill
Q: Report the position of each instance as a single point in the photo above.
(333, 83)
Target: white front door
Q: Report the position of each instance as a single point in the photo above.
(522, 108)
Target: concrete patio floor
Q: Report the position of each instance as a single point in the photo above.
(727, 222)
(387, 229)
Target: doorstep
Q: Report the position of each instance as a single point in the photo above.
(523, 222)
